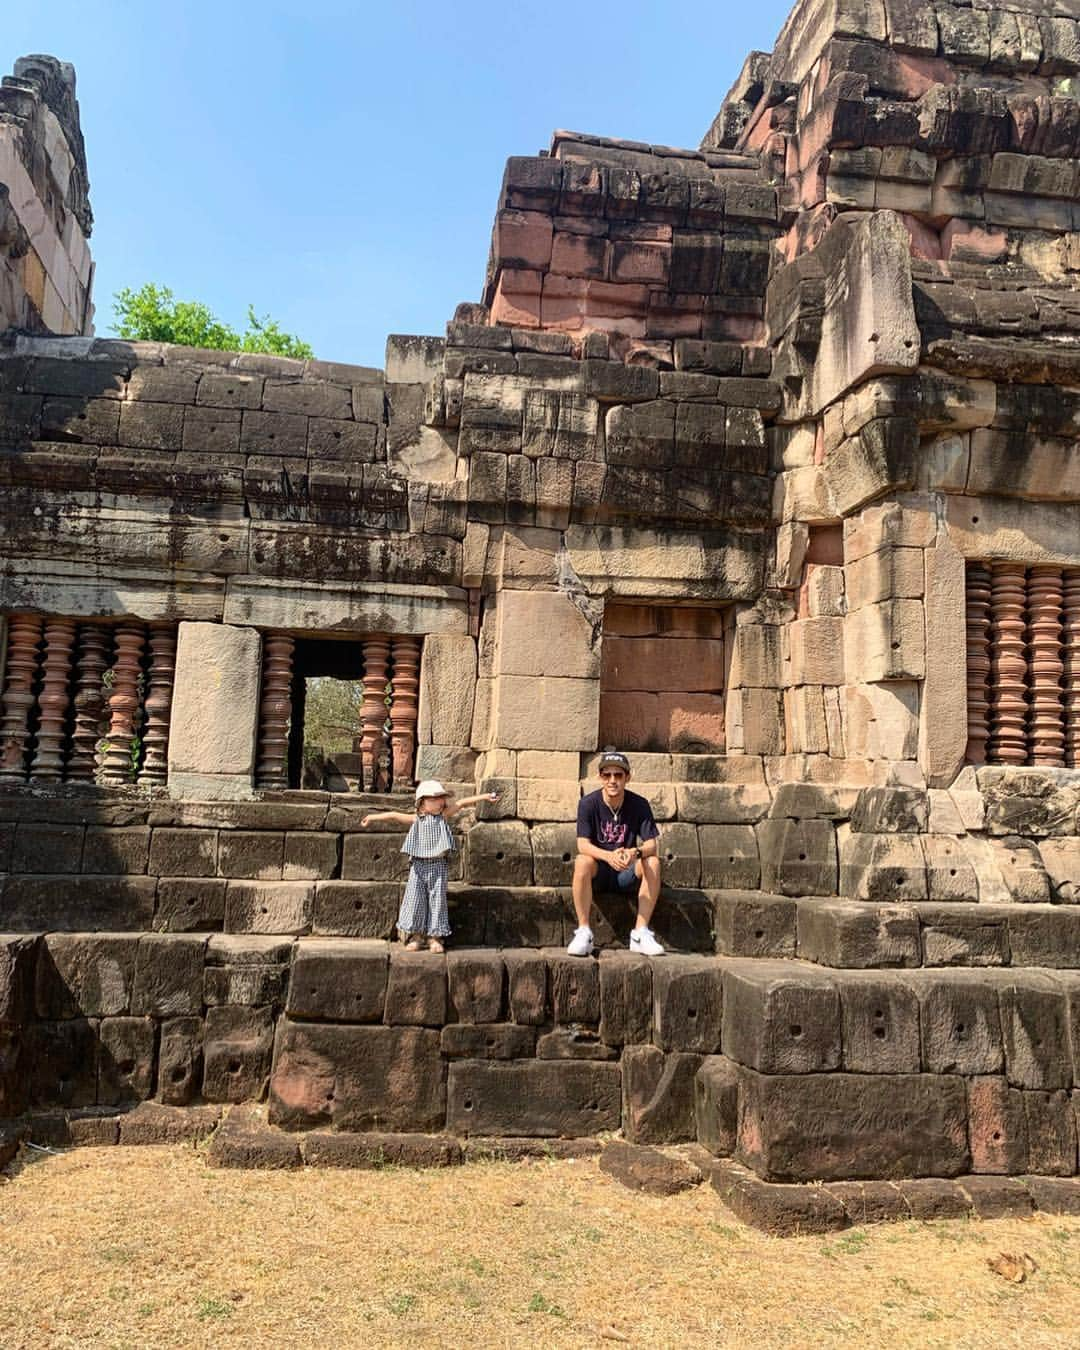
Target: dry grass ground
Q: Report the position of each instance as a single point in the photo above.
(150, 1247)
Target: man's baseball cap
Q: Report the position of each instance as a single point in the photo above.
(614, 759)
(430, 787)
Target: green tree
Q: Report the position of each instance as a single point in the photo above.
(332, 713)
(153, 314)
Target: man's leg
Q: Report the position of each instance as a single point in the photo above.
(648, 870)
(584, 871)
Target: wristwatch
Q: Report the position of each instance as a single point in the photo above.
(638, 853)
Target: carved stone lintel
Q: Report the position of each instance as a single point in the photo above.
(54, 701)
(159, 703)
(373, 710)
(978, 661)
(24, 637)
(1009, 667)
(1047, 726)
(123, 700)
(92, 658)
(275, 710)
(405, 684)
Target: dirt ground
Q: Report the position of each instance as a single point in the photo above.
(150, 1247)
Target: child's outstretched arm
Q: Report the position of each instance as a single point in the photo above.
(453, 807)
(393, 817)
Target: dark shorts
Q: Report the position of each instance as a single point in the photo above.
(607, 879)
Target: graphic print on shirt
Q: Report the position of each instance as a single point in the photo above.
(612, 834)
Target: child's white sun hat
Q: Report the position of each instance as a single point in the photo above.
(430, 787)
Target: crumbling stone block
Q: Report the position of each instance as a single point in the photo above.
(688, 1004)
(658, 1095)
(534, 1098)
(781, 1017)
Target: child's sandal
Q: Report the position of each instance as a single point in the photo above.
(435, 945)
(414, 944)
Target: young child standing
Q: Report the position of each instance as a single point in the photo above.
(424, 913)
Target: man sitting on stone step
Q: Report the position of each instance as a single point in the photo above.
(618, 842)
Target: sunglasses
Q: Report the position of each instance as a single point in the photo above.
(613, 773)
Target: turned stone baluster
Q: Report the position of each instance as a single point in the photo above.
(54, 700)
(158, 703)
(1047, 727)
(1071, 666)
(123, 702)
(1008, 672)
(92, 657)
(405, 686)
(275, 711)
(978, 661)
(24, 636)
(373, 710)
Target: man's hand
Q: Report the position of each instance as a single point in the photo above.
(622, 858)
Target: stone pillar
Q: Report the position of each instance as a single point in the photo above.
(373, 710)
(978, 661)
(215, 711)
(91, 661)
(155, 768)
(54, 700)
(275, 710)
(1008, 668)
(943, 713)
(1071, 605)
(124, 700)
(1047, 731)
(405, 685)
(24, 636)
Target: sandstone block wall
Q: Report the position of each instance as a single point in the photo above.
(46, 273)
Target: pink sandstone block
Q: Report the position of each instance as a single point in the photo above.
(678, 664)
(925, 242)
(972, 243)
(579, 255)
(641, 262)
(523, 239)
(514, 307)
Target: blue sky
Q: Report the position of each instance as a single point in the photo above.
(338, 164)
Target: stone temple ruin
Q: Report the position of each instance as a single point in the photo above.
(759, 460)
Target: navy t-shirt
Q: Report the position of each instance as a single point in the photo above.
(612, 830)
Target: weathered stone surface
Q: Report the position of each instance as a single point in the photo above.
(416, 989)
(168, 975)
(180, 1060)
(658, 1095)
(357, 1077)
(492, 1040)
(338, 980)
(749, 923)
(215, 701)
(782, 1211)
(835, 1127)
(688, 1004)
(879, 1015)
(244, 1140)
(476, 981)
(857, 936)
(499, 853)
(1035, 1031)
(798, 857)
(533, 1098)
(355, 909)
(575, 989)
(781, 1017)
(625, 998)
(323, 1149)
(87, 975)
(648, 1170)
(716, 1104)
(237, 1047)
(269, 906)
(959, 1022)
(125, 1060)
(151, 1123)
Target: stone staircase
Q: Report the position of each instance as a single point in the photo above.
(196, 963)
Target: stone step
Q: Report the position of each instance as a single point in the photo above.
(859, 934)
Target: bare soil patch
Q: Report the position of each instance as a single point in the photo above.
(150, 1247)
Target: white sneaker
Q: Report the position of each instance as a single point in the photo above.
(643, 941)
(581, 943)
